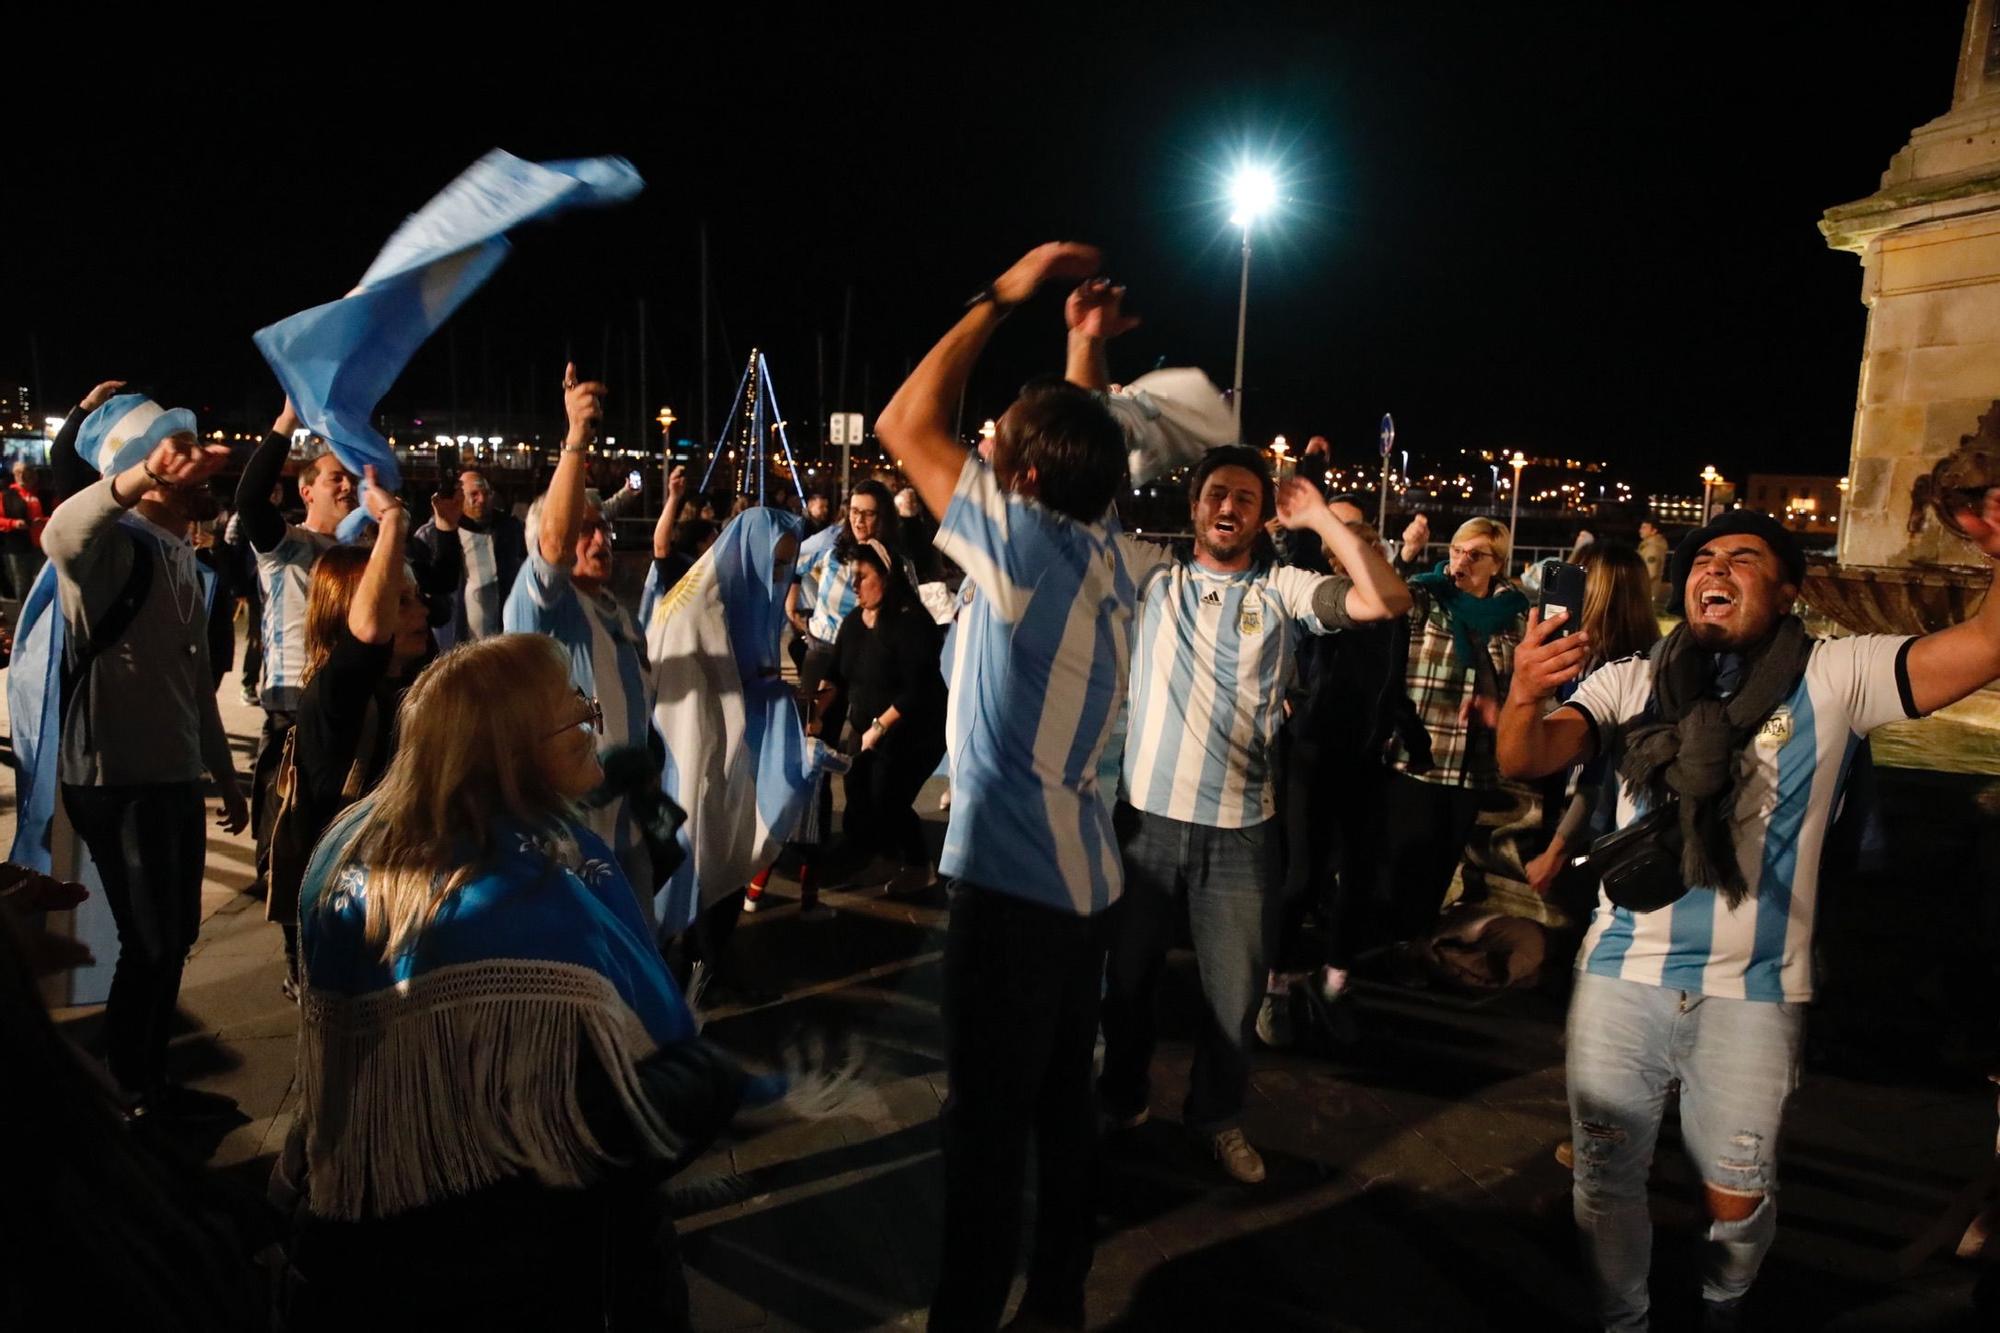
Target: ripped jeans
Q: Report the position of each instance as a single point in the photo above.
(1737, 1062)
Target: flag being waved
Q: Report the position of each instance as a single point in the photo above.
(337, 360)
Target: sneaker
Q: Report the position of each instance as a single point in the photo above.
(752, 901)
(1239, 1160)
(1274, 1020)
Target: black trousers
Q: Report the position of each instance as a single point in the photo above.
(1424, 830)
(1331, 801)
(150, 847)
(1021, 986)
(882, 789)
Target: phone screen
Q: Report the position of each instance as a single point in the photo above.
(633, 481)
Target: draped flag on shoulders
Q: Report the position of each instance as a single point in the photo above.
(33, 685)
(738, 760)
(337, 360)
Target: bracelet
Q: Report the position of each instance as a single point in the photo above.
(576, 448)
(152, 476)
(987, 293)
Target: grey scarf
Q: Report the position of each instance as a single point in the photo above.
(1690, 750)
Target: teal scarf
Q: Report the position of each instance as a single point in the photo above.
(1469, 615)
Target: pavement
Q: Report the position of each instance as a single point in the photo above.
(1412, 1182)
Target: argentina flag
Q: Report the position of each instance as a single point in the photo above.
(337, 360)
(737, 760)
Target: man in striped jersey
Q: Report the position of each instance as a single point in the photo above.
(1038, 669)
(564, 591)
(493, 546)
(283, 555)
(1751, 727)
(1214, 639)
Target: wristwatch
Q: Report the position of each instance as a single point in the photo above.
(987, 293)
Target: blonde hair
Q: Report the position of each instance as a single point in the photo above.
(465, 763)
(1491, 529)
(1617, 603)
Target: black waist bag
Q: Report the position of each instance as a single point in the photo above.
(1640, 864)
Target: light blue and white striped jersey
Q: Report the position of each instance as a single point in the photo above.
(1789, 780)
(1037, 672)
(1211, 656)
(607, 660)
(826, 585)
(483, 593)
(285, 575)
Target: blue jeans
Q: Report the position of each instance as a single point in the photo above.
(1225, 877)
(1737, 1062)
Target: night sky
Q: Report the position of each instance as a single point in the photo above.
(1588, 232)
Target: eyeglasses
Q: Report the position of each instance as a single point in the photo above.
(595, 717)
(870, 512)
(1475, 553)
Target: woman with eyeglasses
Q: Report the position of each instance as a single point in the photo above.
(1463, 628)
(496, 1070)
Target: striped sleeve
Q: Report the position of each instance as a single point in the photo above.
(975, 534)
(1298, 592)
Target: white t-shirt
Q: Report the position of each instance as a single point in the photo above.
(1788, 786)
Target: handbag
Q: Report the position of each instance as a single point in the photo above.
(1640, 864)
(291, 842)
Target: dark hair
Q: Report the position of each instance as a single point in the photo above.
(690, 534)
(897, 594)
(1235, 455)
(1067, 436)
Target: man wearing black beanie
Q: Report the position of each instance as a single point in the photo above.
(1734, 735)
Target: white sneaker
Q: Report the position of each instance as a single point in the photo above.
(751, 904)
(1239, 1160)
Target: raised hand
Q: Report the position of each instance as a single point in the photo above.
(288, 420)
(182, 460)
(375, 497)
(1980, 522)
(1094, 310)
(1416, 537)
(677, 484)
(583, 403)
(1300, 504)
(101, 395)
(1056, 259)
(446, 511)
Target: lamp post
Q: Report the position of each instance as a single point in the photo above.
(1517, 462)
(1709, 476)
(1253, 192)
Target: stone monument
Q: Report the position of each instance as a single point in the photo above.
(1929, 244)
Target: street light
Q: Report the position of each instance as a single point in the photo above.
(666, 418)
(1709, 476)
(1517, 462)
(1253, 192)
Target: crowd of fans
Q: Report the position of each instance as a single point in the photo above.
(1281, 735)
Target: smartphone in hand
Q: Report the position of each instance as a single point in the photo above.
(1562, 590)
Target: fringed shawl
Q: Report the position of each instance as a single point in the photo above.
(454, 1066)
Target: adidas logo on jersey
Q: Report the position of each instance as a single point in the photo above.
(1211, 598)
